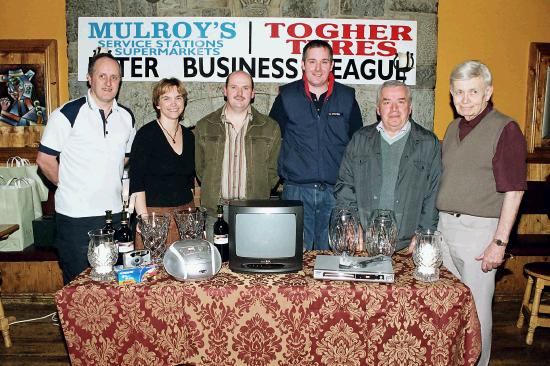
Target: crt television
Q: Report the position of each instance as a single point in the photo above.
(266, 236)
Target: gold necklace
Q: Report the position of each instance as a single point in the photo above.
(173, 138)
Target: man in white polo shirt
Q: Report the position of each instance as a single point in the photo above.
(83, 152)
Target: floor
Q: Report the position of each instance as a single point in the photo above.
(34, 343)
(41, 342)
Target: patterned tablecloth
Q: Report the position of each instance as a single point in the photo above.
(291, 319)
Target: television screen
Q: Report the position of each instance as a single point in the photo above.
(260, 235)
(266, 236)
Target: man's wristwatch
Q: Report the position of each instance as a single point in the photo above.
(500, 243)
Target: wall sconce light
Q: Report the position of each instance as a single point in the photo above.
(403, 62)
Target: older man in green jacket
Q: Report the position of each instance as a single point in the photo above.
(236, 149)
(395, 165)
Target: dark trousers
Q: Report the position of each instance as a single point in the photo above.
(72, 240)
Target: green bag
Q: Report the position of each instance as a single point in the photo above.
(21, 172)
(17, 167)
(16, 207)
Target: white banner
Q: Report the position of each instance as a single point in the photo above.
(368, 51)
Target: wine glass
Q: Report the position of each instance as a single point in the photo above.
(191, 222)
(381, 233)
(154, 231)
(102, 254)
(344, 233)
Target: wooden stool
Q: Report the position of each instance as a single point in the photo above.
(5, 231)
(541, 272)
(4, 325)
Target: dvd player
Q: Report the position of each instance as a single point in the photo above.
(327, 267)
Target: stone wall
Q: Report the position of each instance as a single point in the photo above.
(206, 97)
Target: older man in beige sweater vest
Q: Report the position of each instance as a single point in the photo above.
(484, 176)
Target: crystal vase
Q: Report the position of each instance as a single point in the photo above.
(154, 231)
(381, 233)
(344, 233)
(191, 222)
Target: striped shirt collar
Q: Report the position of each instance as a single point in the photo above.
(248, 115)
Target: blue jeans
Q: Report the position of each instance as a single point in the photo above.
(318, 200)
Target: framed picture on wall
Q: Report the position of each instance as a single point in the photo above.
(29, 92)
(537, 125)
(22, 95)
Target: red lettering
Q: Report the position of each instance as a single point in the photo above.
(274, 29)
(342, 47)
(358, 29)
(306, 30)
(364, 48)
(400, 32)
(296, 47)
(330, 33)
(378, 32)
(386, 48)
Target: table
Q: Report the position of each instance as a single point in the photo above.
(290, 319)
(7, 229)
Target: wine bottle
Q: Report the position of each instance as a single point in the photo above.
(221, 235)
(123, 238)
(108, 220)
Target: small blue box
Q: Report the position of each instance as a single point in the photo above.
(136, 274)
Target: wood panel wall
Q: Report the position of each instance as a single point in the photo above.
(23, 152)
(30, 277)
